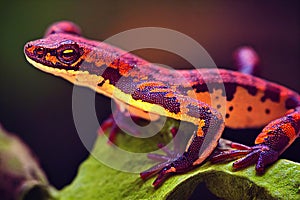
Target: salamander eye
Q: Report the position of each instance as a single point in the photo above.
(68, 53)
(39, 52)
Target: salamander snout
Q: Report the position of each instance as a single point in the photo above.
(29, 49)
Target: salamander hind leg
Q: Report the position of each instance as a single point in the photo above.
(246, 60)
(277, 136)
(117, 122)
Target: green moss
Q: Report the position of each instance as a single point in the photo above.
(280, 181)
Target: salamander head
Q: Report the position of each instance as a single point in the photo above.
(63, 52)
(56, 51)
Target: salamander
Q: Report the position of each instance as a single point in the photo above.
(211, 99)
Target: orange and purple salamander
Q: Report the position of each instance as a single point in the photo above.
(184, 95)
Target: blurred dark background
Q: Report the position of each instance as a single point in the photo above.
(37, 106)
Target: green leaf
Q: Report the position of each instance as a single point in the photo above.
(96, 180)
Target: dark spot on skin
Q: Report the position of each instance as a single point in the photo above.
(200, 88)
(272, 93)
(291, 102)
(249, 108)
(230, 90)
(267, 111)
(251, 89)
(218, 106)
(217, 97)
(112, 75)
(101, 83)
(227, 115)
(230, 108)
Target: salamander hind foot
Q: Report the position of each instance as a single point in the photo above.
(277, 136)
(262, 155)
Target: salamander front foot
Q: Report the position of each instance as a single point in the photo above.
(161, 168)
(174, 162)
(165, 169)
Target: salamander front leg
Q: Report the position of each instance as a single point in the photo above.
(270, 143)
(177, 164)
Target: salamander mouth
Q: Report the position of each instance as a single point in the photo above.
(43, 67)
(69, 75)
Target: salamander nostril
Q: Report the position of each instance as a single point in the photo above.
(27, 46)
